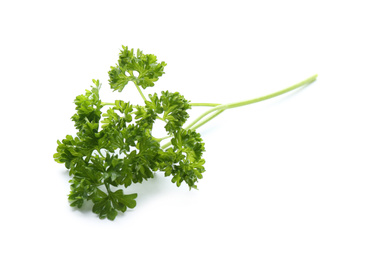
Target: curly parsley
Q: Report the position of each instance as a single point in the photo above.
(116, 148)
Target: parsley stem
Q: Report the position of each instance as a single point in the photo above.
(250, 101)
(138, 88)
(166, 145)
(218, 109)
(107, 104)
(162, 138)
(205, 120)
(192, 128)
(108, 188)
(204, 104)
(99, 151)
(162, 119)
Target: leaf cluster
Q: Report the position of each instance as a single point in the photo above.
(146, 65)
(115, 148)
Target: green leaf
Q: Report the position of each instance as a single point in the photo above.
(111, 214)
(146, 65)
(115, 147)
(175, 108)
(125, 200)
(187, 168)
(88, 109)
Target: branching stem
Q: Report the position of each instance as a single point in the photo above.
(218, 109)
(251, 101)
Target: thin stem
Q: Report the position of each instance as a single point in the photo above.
(204, 104)
(160, 118)
(108, 188)
(99, 151)
(162, 138)
(255, 100)
(278, 93)
(221, 108)
(138, 88)
(107, 104)
(192, 128)
(140, 91)
(165, 145)
(205, 120)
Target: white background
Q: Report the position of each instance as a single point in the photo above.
(289, 178)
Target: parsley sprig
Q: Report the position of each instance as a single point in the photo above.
(115, 148)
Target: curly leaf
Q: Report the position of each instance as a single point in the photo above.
(146, 65)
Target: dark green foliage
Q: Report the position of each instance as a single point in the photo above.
(88, 108)
(115, 148)
(184, 160)
(145, 65)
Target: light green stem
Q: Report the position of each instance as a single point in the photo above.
(107, 104)
(221, 108)
(192, 128)
(204, 104)
(255, 100)
(138, 88)
(161, 139)
(205, 120)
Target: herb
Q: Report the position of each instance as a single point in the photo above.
(114, 147)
